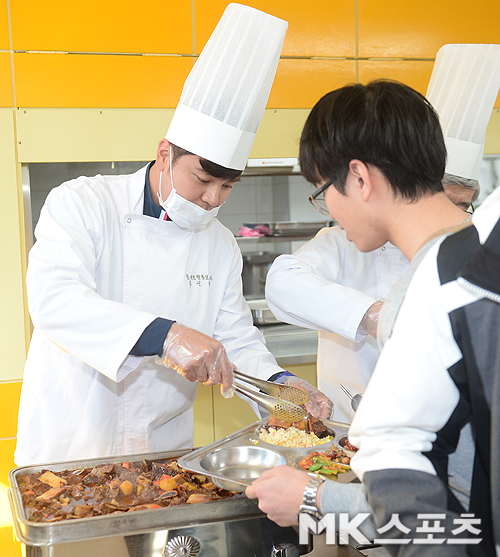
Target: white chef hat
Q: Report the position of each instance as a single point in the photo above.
(226, 92)
(464, 85)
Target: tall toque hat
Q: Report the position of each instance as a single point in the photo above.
(226, 92)
(463, 88)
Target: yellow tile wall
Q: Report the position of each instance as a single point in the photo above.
(416, 74)
(320, 75)
(5, 80)
(417, 29)
(4, 25)
(82, 80)
(120, 54)
(9, 394)
(319, 28)
(155, 26)
(110, 44)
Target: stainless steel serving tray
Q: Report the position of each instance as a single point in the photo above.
(127, 523)
(247, 437)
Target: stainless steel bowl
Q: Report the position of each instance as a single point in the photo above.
(243, 464)
(341, 443)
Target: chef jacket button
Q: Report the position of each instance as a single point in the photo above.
(383, 248)
(129, 220)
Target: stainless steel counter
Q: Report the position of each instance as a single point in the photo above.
(290, 344)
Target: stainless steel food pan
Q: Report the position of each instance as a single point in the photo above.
(200, 460)
(128, 523)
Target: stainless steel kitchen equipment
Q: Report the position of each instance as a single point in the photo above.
(261, 313)
(286, 392)
(255, 268)
(245, 463)
(196, 461)
(256, 264)
(290, 228)
(227, 528)
(222, 528)
(355, 399)
(342, 443)
(281, 409)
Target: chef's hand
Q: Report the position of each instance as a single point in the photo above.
(319, 405)
(369, 323)
(280, 491)
(197, 357)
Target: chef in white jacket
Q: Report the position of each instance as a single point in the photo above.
(135, 287)
(329, 285)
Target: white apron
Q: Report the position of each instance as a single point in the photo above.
(161, 255)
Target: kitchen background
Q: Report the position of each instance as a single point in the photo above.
(261, 196)
(93, 82)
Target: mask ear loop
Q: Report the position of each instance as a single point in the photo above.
(158, 193)
(171, 169)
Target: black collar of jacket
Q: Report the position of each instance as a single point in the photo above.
(482, 268)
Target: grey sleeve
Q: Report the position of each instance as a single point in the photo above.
(350, 499)
(411, 494)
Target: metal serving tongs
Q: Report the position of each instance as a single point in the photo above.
(282, 409)
(285, 392)
(355, 399)
(282, 401)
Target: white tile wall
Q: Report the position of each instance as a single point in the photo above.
(300, 208)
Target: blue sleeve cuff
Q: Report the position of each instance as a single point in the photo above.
(152, 339)
(280, 377)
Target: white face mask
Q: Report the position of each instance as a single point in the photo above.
(184, 213)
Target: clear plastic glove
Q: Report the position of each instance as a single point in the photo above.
(368, 325)
(319, 405)
(197, 357)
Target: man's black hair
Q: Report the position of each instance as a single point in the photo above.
(385, 124)
(209, 167)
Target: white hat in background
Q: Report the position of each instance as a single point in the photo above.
(226, 92)
(463, 88)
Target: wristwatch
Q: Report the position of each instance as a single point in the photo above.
(309, 499)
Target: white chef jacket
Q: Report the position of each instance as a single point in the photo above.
(328, 285)
(99, 273)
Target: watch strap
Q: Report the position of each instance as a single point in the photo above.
(309, 504)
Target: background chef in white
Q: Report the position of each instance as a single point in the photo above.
(119, 259)
(332, 287)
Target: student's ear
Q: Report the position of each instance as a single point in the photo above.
(162, 154)
(362, 178)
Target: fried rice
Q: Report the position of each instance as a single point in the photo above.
(291, 437)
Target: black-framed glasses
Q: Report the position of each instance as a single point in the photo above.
(317, 199)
